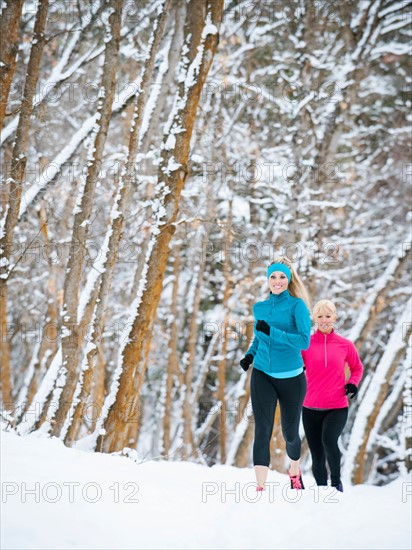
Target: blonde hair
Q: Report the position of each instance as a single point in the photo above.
(324, 304)
(296, 287)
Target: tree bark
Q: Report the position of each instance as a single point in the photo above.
(48, 345)
(70, 327)
(407, 413)
(116, 226)
(167, 82)
(9, 46)
(221, 376)
(172, 364)
(18, 166)
(242, 453)
(375, 396)
(189, 448)
(171, 181)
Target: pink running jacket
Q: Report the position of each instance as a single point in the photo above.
(325, 370)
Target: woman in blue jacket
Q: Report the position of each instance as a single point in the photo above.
(282, 330)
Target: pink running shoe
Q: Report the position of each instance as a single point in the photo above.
(259, 488)
(296, 482)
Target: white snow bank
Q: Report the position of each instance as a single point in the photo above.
(92, 500)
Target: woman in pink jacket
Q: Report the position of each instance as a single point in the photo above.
(325, 408)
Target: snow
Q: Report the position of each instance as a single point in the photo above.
(209, 28)
(46, 386)
(385, 410)
(393, 27)
(392, 48)
(58, 75)
(155, 91)
(365, 38)
(93, 276)
(170, 142)
(381, 282)
(392, 8)
(55, 167)
(194, 68)
(172, 165)
(240, 428)
(52, 169)
(241, 207)
(248, 130)
(90, 441)
(3, 221)
(62, 498)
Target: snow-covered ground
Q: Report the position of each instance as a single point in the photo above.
(55, 497)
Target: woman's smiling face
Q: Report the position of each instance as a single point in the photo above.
(325, 320)
(278, 282)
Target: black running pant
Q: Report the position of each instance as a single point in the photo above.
(322, 429)
(265, 392)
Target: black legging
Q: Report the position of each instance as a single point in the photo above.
(322, 429)
(265, 391)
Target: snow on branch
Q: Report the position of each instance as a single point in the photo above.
(380, 284)
(372, 396)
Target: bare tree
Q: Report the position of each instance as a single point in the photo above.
(9, 30)
(116, 224)
(15, 182)
(374, 397)
(83, 210)
(201, 32)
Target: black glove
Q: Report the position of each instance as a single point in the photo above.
(351, 389)
(246, 361)
(263, 327)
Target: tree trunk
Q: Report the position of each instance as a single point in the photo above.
(83, 211)
(172, 364)
(9, 45)
(376, 300)
(221, 376)
(18, 166)
(239, 454)
(189, 447)
(172, 170)
(48, 345)
(116, 226)
(375, 396)
(167, 81)
(242, 457)
(97, 392)
(62, 72)
(407, 412)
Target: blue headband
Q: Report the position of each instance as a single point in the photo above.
(279, 267)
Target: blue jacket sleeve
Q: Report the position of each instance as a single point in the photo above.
(254, 347)
(301, 340)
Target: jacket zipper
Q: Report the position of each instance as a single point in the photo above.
(270, 317)
(326, 361)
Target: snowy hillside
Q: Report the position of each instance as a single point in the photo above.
(56, 497)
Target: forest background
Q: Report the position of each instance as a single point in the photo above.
(156, 156)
